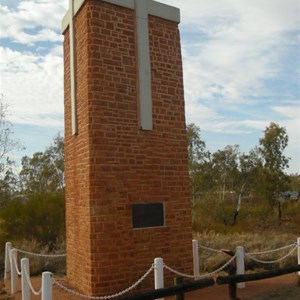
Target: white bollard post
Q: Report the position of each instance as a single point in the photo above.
(24, 281)
(240, 264)
(7, 262)
(158, 274)
(298, 247)
(47, 286)
(13, 271)
(196, 258)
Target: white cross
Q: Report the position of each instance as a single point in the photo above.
(144, 67)
(142, 9)
(72, 68)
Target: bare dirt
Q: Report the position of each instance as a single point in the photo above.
(277, 288)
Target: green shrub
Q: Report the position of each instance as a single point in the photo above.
(41, 218)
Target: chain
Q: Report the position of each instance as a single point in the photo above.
(219, 269)
(204, 275)
(210, 249)
(16, 265)
(271, 261)
(178, 273)
(105, 297)
(30, 285)
(271, 251)
(41, 255)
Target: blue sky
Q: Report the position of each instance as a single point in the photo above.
(241, 64)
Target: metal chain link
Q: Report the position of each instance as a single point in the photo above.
(41, 255)
(37, 293)
(105, 297)
(271, 261)
(271, 251)
(204, 275)
(210, 249)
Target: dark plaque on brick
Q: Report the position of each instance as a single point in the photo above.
(148, 215)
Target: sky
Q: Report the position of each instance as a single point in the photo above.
(241, 63)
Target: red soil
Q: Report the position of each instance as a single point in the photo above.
(217, 292)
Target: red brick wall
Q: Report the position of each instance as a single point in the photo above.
(112, 164)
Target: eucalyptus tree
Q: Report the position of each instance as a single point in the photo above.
(225, 165)
(272, 146)
(199, 162)
(8, 179)
(38, 213)
(43, 173)
(251, 165)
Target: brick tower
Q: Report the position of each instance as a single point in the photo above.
(126, 168)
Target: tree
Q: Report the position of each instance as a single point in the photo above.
(43, 173)
(38, 211)
(40, 218)
(250, 166)
(8, 179)
(272, 147)
(199, 159)
(225, 164)
(225, 168)
(273, 144)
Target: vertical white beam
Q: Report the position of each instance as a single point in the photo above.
(47, 284)
(7, 262)
(24, 283)
(13, 271)
(72, 68)
(240, 264)
(158, 274)
(143, 64)
(196, 258)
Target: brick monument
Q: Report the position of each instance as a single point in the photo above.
(126, 168)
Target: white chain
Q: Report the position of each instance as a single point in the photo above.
(105, 297)
(210, 249)
(178, 273)
(41, 255)
(204, 275)
(37, 293)
(271, 251)
(271, 261)
(16, 265)
(221, 268)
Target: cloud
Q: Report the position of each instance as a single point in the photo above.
(240, 63)
(235, 46)
(235, 55)
(33, 84)
(32, 21)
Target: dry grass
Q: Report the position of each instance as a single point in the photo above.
(40, 264)
(252, 242)
(257, 229)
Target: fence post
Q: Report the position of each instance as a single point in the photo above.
(47, 286)
(24, 273)
(298, 247)
(178, 281)
(158, 274)
(240, 264)
(196, 258)
(13, 271)
(7, 262)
